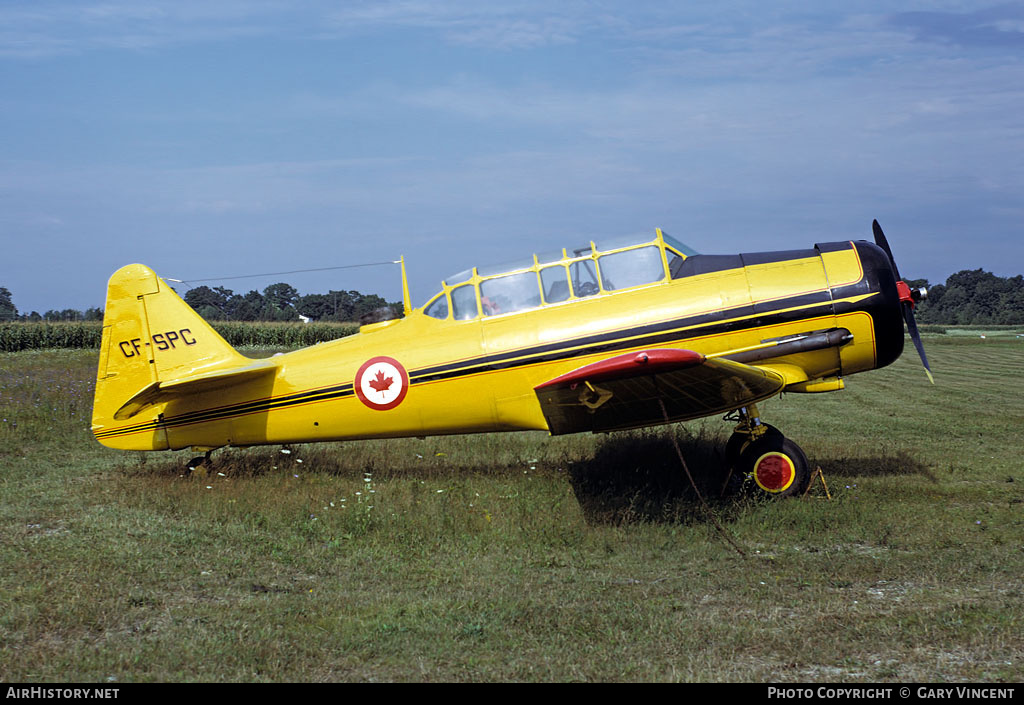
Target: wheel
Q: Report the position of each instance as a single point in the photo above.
(776, 464)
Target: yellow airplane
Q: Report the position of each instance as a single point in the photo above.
(602, 337)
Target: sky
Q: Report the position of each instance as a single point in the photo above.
(222, 139)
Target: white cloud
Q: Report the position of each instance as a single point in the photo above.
(506, 25)
(33, 30)
(734, 125)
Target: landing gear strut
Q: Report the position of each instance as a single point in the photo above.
(199, 460)
(758, 451)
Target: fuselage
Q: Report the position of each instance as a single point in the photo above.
(478, 373)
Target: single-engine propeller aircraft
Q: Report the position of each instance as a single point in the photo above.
(600, 337)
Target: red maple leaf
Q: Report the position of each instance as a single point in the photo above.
(381, 383)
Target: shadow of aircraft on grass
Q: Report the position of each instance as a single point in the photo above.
(637, 476)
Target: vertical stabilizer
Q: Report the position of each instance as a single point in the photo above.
(150, 335)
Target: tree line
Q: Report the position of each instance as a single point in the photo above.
(969, 297)
(9, 312)
(973, 297)
(282, 302)
(277, 302)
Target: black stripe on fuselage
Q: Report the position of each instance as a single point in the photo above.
(333, 392)
(699, 326)
(250, 407)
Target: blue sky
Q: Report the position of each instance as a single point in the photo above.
(215, 139)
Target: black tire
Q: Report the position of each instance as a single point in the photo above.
(783, 456)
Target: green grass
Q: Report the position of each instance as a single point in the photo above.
(519, 557)
(973, 331)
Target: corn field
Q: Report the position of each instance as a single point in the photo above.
(15, 337)
(290, 335)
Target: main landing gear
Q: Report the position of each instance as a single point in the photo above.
(777, 465)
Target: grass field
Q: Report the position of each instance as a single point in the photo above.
(519, 557)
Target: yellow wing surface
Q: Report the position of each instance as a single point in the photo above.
(641, 389)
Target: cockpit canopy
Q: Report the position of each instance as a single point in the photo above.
(556, 277)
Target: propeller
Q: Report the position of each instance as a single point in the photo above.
(908, 298)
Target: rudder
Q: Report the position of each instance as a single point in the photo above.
(149, 335)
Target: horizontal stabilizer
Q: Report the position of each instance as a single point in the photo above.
(166, 390)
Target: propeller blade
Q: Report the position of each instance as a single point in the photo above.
(906, 297)
(908, 316)
(884, 244)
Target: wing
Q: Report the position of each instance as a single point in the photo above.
(627, 391)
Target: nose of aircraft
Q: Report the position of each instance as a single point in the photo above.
(909, 298)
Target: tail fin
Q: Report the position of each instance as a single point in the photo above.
(151, 338)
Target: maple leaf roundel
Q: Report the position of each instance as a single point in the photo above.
(381, 383)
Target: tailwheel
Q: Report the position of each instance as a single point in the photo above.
(776, 464)
(199, 461)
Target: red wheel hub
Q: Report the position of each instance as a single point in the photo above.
(774, 472)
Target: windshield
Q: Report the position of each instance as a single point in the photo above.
(678, 246)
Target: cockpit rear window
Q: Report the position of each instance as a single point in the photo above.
(464, 302)
(515, 292)
(556, 284)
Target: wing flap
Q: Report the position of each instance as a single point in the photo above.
(162, 391)
(627, 391)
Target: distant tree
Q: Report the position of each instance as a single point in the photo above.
(220, 303)
(248, 307)
(370, 303)
(319, 307)
(207, 302)
(8, 312)
(352, 305)
(210, 313)
(240, 307)
(279, 303)
(272, 313)
(344, 304)
(1012, 305)
(975, 297)
(93, 314)
(67, 314)
(281, 296)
